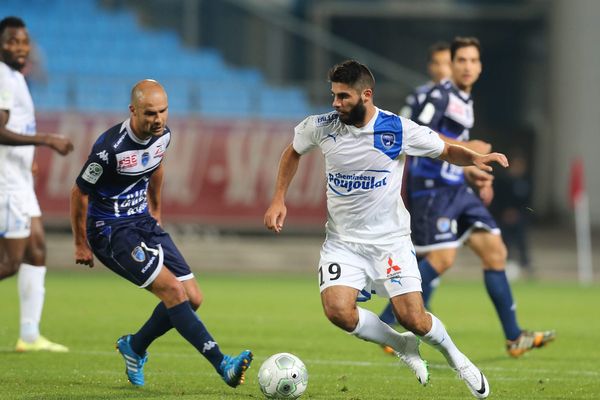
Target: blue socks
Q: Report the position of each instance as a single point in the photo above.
(157, 325)
(499, 291)
(187, 323)
(428, 275)
(387, 315)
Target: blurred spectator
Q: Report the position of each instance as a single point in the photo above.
(35, 70)
(510, 206)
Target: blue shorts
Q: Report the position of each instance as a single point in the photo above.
(443, 218)
(137, 249)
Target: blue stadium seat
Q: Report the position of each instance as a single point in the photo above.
(93, 56)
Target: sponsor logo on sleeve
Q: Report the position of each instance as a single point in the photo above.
(92, 173)
(325, 119)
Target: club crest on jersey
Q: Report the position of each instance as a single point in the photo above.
(388, 140)
(145, 158)
(443, 224)
(138, 254)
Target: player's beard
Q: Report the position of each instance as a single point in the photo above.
(12, 61)
(356, 115)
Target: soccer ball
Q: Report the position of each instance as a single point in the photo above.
(282, 376)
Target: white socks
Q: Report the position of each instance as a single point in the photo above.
(31, 295)
(372, 329)
(439, 339)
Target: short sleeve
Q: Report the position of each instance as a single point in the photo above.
(304, 136)
(420, 141)
(430, 110)
(7, 91)
(95, 170)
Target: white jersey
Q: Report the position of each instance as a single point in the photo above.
(15, 161)
(364, 172)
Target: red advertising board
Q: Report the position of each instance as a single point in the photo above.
(217, 172)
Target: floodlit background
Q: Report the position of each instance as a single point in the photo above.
(241, 74)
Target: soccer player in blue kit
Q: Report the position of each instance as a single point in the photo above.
(438, 68)
(447, 213)
(116, 216)
(368, 228)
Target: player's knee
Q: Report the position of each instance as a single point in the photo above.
(441, 262)
(496, 257)
(196, 300)
(36, 254)
(173, 294)
(9, 268)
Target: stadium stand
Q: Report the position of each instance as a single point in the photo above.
(93, 56)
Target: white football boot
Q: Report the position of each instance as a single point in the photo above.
(412, 358)
(474, 379)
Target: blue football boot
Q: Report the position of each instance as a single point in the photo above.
(134, 364)
(232, 369)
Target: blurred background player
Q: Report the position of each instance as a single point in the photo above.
(438, 68)
(368, 234)
(22, 240)
(121, 181)
(513, 197)
(445, 210)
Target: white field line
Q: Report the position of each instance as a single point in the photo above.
(193, 354)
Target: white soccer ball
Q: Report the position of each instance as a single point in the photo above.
(282, 376)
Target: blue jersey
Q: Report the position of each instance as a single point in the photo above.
(448, 111)
(415, 100)
(117, 173)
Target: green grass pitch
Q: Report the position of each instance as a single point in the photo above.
(89, 310)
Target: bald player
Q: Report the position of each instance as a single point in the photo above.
(115, 215)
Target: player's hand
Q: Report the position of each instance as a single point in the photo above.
(479, 146)
(84, 255)
(478, 178)
(34, 169)
(275, 216)
(483, 161)
(60, 144)
(486, 194)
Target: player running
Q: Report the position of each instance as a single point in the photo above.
(368, 229)
(116, 214)
(22, 242)
(447, 213)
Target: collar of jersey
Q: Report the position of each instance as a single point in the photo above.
(127, 126)
(463, 95)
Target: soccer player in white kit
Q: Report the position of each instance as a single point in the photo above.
(368, 228)
(19, 210)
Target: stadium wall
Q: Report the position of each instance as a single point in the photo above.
(217, 172)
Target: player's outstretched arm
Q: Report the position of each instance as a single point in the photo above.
(478, 146)
(459, 155)
(58, 143)
(79, 203)
(277, 211)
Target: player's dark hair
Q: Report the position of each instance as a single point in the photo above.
(353, 74)
(11, 22)
(436, 48)
(460, 42)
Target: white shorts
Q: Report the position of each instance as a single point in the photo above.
(387, 270)
(16, 211)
